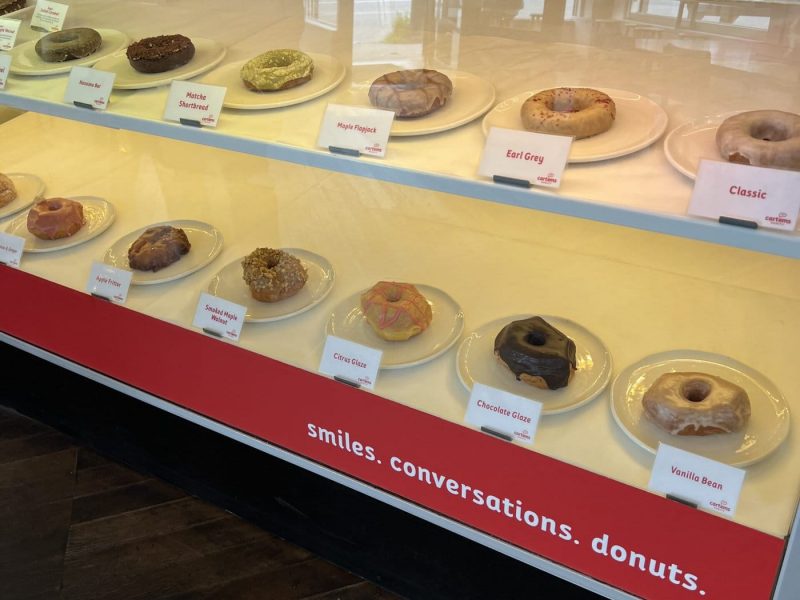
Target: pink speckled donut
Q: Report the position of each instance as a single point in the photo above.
(577, 112)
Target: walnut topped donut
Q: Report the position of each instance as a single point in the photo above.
(696, 404)
(273, 274)
(411, 93)
(763, 138)
(577, 112)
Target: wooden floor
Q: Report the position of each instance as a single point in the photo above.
(74, 525)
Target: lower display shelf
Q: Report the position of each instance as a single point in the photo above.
(540, 508)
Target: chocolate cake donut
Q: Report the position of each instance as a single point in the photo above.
(160, 53)
(68, 44)
(158, 247)
(536, 352)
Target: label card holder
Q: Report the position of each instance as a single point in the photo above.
(219, 317)
(694, 479)
(109, 283)
(195, 104)
(5, 67)
(49, 16)
(503, 414)
(89, 88)
(350, 363)
(524, 158)
(11, 249)
(9, 28)
(354, 130)
(746, 196)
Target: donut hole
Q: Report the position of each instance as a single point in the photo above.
(393, 295)
(696, 390)
(53, 206)
(272, 261)
(536, 338)
(769, 132)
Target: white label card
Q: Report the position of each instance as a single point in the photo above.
(767, 196)
(90, 87)
(348, 360)
(11, 249)
(5, 65)
(538, 158)
(49, 16)
(503, 412)
(354, 128)
(8, 33)
(195, 102)
(219, 317)
(109, 282)
(709, 484)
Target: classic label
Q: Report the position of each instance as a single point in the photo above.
(503, 412)
(348, 360)
(8, 33)
(538, 158)
(709, 484)
(109, 282)
(49, 16)
(766, 196)
(5, 66)
(219, 317)
(195, 102)
(11, 249)
(354, 128)
(89, 87)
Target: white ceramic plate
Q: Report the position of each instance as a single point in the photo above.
(472, 97)
(687, 144)
(25, 61)
(98, 215)
(639, 123)
(229, 284)
(767, 428)
(207, 55)
(476, 362)
(29, 189)
(328, 73)
(348, 321)
(206, 243)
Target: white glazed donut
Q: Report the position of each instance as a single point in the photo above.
(763, 138)
(578, 112)
(696, 404)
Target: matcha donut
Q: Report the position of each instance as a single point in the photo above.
(277, 70)
(68, 44)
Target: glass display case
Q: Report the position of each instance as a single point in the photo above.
(591, 257)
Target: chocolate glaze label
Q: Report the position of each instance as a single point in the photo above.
(504, 413)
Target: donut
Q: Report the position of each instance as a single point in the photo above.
(412, 93)
(158, 247)
(55, 218)
(396, 311)
(696, 404)
(273, 275)
(160, 53)
(277, 70)
(762, 138)
(8, 192)
(9, 6)
(536, 353)
(577, 112)
(68, 44)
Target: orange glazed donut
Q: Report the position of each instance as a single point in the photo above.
(396, 311)
(696, 404)
(763, 138)
(578, 112)
(55, 218)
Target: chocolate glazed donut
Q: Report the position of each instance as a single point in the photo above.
(536, 352)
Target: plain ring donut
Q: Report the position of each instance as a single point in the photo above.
(696, 404)
(577, 112)
(277, 70)
(68, 44)
(762, 138)
(55, 218)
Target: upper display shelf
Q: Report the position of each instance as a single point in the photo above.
(669, 65)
